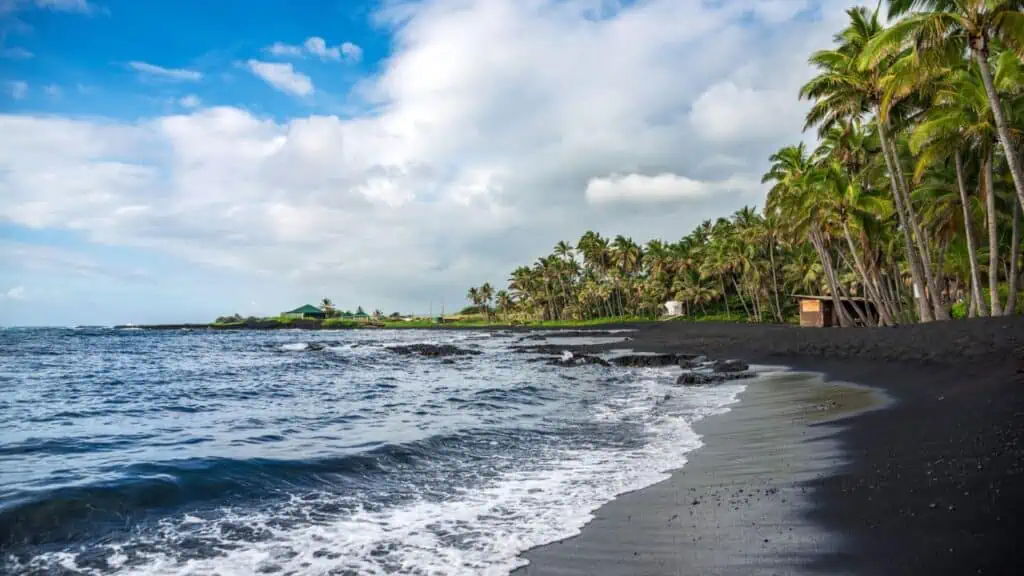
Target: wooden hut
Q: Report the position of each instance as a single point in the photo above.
(307, 311)
(820, 312)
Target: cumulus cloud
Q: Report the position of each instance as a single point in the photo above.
(642, 120)
(659, 188)
(17, 89)
(282, 76)
(172, 74)
(53, 91)
(317, 46)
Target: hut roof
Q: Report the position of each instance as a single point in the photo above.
(306, 309)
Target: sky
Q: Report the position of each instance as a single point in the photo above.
(176, 160)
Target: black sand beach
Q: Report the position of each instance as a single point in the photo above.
(932, 483)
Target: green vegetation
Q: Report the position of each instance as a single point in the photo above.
(915, 187)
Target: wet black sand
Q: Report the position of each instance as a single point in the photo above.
(932, 484)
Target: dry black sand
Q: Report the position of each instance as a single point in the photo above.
(932, 484)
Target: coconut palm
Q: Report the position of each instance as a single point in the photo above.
(844, 90)
(934, 29)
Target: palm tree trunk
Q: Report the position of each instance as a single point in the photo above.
(775, 280)
(725, 296)
(1002, 127)
(993, 236)
(740, 294)
(889, 297)
(920, 240)
(869, 287)
(916, 270)
(969, 233)
(1011, 303)
(830, 278)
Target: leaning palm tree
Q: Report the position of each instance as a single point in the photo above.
(793, 198)
(933, 29)
(961, 113)
(843, 89)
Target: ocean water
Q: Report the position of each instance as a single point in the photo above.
(294, 452)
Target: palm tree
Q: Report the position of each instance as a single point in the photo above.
(486, 294)
(504, 302)
(473, 295)
(949, 128)
(844, 90)
(328, 307)
(793, 197)
(933, 29)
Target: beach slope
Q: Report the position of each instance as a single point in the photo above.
(804, 477)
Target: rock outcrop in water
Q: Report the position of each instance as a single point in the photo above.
(653, 360)
(705, 378)
(729, 366)
(570, 359)
(433, 350)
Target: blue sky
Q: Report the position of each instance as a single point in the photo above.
(173, 161)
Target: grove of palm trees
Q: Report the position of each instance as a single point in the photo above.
(913, 186)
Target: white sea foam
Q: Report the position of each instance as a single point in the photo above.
(295, 346)
(478, 532)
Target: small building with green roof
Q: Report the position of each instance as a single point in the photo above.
(307, 311)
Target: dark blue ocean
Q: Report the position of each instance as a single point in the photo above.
(294, 452)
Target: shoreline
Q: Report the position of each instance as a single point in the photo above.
(738, 505)
(932, 483)
(316, 325)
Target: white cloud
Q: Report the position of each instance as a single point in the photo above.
(282, 49)
(660, 188)
(190, 101)
(642, 120)
(16, 293)
(317, 46)
(282, 76)
(173, 74)
(16, 53)
(17, 89)
(53, 91)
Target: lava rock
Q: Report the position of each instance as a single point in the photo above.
(646, 360)
(433, 350)
(699, 379)
(693, 362)
(578, 360)
(730, 366)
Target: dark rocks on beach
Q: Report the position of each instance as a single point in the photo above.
(433, 350)
(705, 378)
(699, 379)
(652, 360)
(693, 362)
(729, 366)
